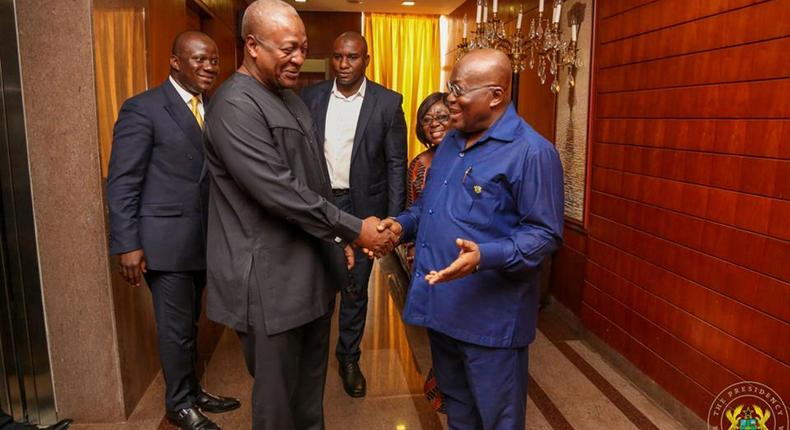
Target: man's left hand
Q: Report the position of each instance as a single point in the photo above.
(466, 263)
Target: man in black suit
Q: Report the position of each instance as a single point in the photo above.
(276, 241)
(363, 132)
(158, 195)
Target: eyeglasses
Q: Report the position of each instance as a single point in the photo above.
(442, 118)
(457, 91)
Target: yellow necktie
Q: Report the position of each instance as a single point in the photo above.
(194, 105)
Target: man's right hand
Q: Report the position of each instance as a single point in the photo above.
(133, 266)
(375, 242)
(392, 225)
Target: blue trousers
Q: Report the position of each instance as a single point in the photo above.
(483, 388)
(177, 302)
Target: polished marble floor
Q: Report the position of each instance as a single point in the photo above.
(571, 387)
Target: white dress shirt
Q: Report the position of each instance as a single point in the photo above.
(187, 96)
(341, 126)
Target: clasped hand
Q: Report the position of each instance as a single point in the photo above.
(378, 237)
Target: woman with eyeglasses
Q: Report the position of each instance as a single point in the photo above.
(433, 118)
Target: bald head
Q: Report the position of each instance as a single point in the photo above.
(485, 67)
(185, 38)
(262, 16)
(353, 36)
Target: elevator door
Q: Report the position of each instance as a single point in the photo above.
(25, 378)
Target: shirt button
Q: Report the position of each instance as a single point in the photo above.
(445, 182)
(430, 211)
(417, 274)
(461, 154)
(424, 245)
(338, 240)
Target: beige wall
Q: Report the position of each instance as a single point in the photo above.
(55, 47)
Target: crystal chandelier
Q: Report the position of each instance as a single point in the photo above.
(542, 45)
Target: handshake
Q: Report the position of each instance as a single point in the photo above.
(378, 237)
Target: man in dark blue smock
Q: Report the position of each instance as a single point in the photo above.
(494, 192)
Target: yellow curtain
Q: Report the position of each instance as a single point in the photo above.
(119, 58)
(405, 57)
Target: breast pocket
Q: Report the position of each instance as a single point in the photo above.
(478, 202)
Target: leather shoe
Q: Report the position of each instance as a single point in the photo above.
(353, 379)
(191, 419)
(208, 402)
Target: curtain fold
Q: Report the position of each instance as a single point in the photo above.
(405, 56)
(120, 63)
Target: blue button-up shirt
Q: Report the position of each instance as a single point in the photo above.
(505, 193)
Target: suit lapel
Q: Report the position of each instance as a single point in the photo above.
(368, 103)
(182, 116)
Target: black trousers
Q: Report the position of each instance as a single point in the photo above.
(177, 297)
(289, 369)
(353, 300)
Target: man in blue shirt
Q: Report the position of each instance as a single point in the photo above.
(494, 192)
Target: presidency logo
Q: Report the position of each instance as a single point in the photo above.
(748, 405)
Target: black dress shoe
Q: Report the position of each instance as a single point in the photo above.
(353, 379)
(208, 402)
(191, 419)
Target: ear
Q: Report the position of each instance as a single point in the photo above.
(498, 97)
(250, 44)
(367, 60)
(174, 64)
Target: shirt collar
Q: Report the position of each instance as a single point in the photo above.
(185, 95)
(504, 129)
(360, 92)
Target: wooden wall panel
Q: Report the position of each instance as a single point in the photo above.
(760, 138)
(662, 14)
(758, 61)
(611, 8)
(688, 240)
(765, 216)
(743, 358)
(762, 176)
(567, 269)
(740, 26)
(324, 27)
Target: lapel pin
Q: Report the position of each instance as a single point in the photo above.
(478, 189)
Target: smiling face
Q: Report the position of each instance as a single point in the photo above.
(479, 90)
(195, 63)
(278, 48)
(435, 123)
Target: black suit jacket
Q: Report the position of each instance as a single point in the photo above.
(378, 158)
(157, 190)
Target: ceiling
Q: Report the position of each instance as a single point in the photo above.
(429, 7)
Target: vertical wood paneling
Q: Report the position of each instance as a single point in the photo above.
(688, 242)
